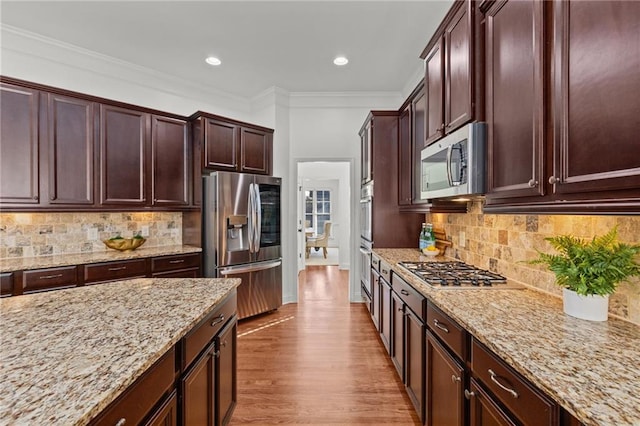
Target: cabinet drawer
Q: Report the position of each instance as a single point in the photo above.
(454, 336)
(6, 284)
(409, 295)
(138, 399)
(110, 271)
(181, 273)
(50, 278)
(385, 271)
(526, 402)
(198, 338)
(168, 263)
(375, 262)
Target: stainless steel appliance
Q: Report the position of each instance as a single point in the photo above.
(457, 275)
(241, 237)
(454, 166)
(366, 242)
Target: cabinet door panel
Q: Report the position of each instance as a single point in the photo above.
(70, 144)
(19, 152)
(405, 158)
(414, 361)
(385, 311)
(397, 334)
(484, 410)
(444, 386)
(226, 389)
(198, 391)
(167, 414)
(124, 153)
(596, 86)
(434, 68)
(221, 145)
(458, 69)
(255, 146)
(170, 153)
(514, 39)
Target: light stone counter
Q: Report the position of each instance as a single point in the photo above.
(66, 354)
(592, 369)
(109, 255)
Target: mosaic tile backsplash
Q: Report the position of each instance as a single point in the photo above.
(42, 234)
(503, 243)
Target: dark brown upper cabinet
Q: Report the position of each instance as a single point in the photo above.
(230, 145)
(562, 109)
(366, 152)
(71, 149)
(170, 147)
(19, 145)
(449, 73)
(514, 98)
(124, 154)
(405, 157)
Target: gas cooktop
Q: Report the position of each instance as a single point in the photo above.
(456, 275)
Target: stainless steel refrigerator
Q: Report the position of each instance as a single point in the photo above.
(241, 237)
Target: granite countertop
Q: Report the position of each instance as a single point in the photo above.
(65, 355)
(109, 255)
(592, 369)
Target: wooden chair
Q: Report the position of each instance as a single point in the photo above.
(321, 240)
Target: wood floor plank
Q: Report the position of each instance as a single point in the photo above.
(318, 362)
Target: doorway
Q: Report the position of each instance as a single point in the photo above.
(325, 189)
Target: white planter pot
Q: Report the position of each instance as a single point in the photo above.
(591, 307)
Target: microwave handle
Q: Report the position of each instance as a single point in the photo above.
(449, 153)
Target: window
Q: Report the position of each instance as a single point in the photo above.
(317, 208)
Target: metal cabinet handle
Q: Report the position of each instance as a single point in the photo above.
(554, 180)
(384, 271)
(177, 261)
(455, 378)
(121, 422)
(224, 344)
(121, 268)
(216, 354)
(217, 320)
(468, 394)
(494, 379)
(405, 292)
(532, 183)
(440, 326)
(49, 277)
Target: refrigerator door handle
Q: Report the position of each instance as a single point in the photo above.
(232, 270)
(258, 224)
(250, 218)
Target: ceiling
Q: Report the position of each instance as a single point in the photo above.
(288, 44)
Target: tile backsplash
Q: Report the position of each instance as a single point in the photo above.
(42, 234)
(504, 242)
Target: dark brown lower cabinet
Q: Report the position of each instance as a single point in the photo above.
(444, 384)
(209, 391)
(385, 313)
(397, 334)
(414, 360)
(375, 298)
(484, 411)
(167, 414)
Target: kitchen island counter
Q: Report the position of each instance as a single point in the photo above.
(590, 368)
(66, 355)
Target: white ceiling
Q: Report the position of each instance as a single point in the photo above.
(288, 44)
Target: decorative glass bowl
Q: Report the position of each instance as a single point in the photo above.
(124, 244)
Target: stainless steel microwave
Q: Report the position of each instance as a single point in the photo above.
(454, 166)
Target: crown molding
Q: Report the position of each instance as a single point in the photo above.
(370, 100)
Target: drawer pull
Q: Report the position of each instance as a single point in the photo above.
(177, 261)
(440, 326)
(50, 277)
(218, 320)
(216, 354)
(468, 394)
(384, 271)
(503, 387)
(119, 268)
(455, 378)
(121, 422)
(405, 292)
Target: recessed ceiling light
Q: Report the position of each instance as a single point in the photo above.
(341, 60)
(212, 60)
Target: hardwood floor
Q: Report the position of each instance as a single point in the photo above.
(318, 362)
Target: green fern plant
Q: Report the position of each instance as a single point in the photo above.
(593, 267)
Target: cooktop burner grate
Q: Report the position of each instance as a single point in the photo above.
(455, 275)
